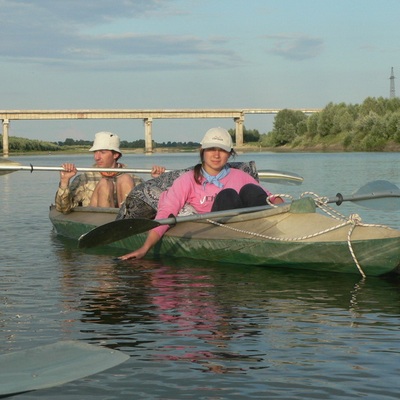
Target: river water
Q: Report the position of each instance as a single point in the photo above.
(194, 329)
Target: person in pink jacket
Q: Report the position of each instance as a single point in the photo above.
(210, 186)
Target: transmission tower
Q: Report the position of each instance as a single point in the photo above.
(392, 90)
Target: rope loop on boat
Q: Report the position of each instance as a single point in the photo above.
(355, 220)
(293, 239)
(321, 202)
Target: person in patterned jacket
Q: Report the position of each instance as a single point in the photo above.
(98, 189)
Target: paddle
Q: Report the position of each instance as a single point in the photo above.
(375, 193)
(54, 364)
(122, 228)
(272, 176)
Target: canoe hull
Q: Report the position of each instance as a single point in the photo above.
(377, 250)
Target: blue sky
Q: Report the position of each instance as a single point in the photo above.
(173, 54)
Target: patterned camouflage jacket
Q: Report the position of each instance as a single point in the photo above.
(80, 191)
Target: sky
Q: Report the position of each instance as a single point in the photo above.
(190, 54)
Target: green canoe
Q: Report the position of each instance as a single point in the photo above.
(290, 236)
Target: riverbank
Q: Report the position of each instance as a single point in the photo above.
(318, 148)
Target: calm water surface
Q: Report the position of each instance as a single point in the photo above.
(195, 329)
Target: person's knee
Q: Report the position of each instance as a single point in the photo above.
(124, 186)
(253, 195)
(227, 199)
(125, 179)
(104, 185)
(126, 182)
(103, 194)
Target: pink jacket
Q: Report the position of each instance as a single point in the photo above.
(185, 190)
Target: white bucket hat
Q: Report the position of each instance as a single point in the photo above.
(217, 137)
(105, 141)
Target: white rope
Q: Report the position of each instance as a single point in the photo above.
(321, 202)
(293, 239)
(355, 220)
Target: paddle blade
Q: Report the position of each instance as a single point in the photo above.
(6, 163)
(280, 177)
(54, 364)
(114, 231)
(384, 196)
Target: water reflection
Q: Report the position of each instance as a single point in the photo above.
(262, 333)
(219, 318)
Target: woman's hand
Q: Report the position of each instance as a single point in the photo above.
(151, 240)
(137, 254)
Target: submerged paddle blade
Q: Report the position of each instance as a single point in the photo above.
(53, 365)
(383, 195)
(114, 231)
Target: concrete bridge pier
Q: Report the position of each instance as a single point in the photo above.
(148, 136)
(239, 130)
(6, 124)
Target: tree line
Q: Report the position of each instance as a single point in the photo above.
(18, 144)
(373, 125)
(124, 144)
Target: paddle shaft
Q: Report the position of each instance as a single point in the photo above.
(339, 198)
(269, 175)
(32, 168)
(210, 215)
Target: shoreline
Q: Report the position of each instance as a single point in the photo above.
(391, 148)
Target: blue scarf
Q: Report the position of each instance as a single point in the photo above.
(214, 179)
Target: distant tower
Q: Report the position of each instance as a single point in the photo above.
(392, 91)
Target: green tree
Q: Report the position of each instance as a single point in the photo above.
(375, 105)
(326, 125)
(249, 135)
(288, 124)
(392, 125)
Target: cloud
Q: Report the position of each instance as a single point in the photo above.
(295, 47)
(59, 33)
(80, 12)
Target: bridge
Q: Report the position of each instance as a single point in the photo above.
(238, 115)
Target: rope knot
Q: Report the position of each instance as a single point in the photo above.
(355, 219)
